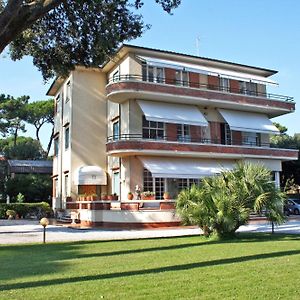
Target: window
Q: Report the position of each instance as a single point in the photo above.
(153, 130)
(68, 91)
(116, 183)
(181, 78)
(156, 185)
(116, 76)
(226, 134)
(153, 74)
(248, 88)
(148, 181)
(67, 138)
(183, 133)
(55, 194)
(116, 130)
(56, 104)
(251, 138)
(66, 185)
(56, 145)
(224, 84)
(184, 183)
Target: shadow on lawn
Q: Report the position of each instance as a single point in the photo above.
(183, 267)
(19, 261)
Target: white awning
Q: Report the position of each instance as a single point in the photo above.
(248, 121)
(163, 63)
(183, 167)
(90, 175)
(172, 113)
(271, 164)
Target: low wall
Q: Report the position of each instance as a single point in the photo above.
(129, 214)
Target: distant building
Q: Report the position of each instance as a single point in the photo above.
(161, 121)
(29, 167)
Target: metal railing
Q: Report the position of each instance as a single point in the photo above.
(180, 139)
(192, 84)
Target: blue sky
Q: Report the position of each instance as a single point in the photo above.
(263, 33)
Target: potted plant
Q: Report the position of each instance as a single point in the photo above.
(92, 197)
(129, 196)
(82, 197)
(148, 195)
(103, 196)
(115, 196)
(11, 214)
(167, 196)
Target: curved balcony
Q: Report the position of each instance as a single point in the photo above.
(128, 145)
(122, 88)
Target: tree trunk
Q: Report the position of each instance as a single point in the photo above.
(15, 136)
(50, 142)
(18, 16)
(37, 131)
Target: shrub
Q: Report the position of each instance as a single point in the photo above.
(27, 210)
(221, 204)
(11, 213)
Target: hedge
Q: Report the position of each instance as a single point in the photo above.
(27, 210)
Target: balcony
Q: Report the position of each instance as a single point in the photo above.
(135, 144)
(122, 88)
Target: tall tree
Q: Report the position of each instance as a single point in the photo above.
(60, 34)
(38, 114)
(12, 115)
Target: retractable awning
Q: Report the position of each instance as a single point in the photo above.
(183, 167)
(172, 113)
(90, 175)
(248, 121)
(163, 63)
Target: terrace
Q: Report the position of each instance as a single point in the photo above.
(123, 87)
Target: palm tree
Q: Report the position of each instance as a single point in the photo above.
(223, 203)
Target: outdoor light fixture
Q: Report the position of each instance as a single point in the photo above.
(44, 222)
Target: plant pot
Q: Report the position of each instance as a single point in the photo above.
(104, 197)
(110, 197)
(148, 197)
(130, 196)
(92, 198)
(167, 196)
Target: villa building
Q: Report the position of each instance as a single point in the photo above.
(161, 121)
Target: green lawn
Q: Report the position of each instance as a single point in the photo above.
(254, 266)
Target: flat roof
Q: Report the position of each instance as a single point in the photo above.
(269, 72)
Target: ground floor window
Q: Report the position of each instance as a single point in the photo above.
(116, 183)
(152, 184)
(172, 185)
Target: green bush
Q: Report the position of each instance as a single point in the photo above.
(25, 210)
(221, 204)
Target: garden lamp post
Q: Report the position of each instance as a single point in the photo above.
(44, 222)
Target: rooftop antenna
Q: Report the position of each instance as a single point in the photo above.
(198, 45)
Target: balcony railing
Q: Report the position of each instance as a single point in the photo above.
(197, 85)
(221, 141)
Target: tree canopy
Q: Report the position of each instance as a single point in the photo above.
(61, 34)
(14, 114)
(24, 148)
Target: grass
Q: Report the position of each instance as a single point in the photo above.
(253, 266)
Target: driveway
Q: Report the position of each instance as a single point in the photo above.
(26, 231)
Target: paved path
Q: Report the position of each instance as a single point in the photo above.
(24, 231)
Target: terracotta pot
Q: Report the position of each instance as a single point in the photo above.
(148, 198)
(130, 196)
(167, 196)
(104, 197)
